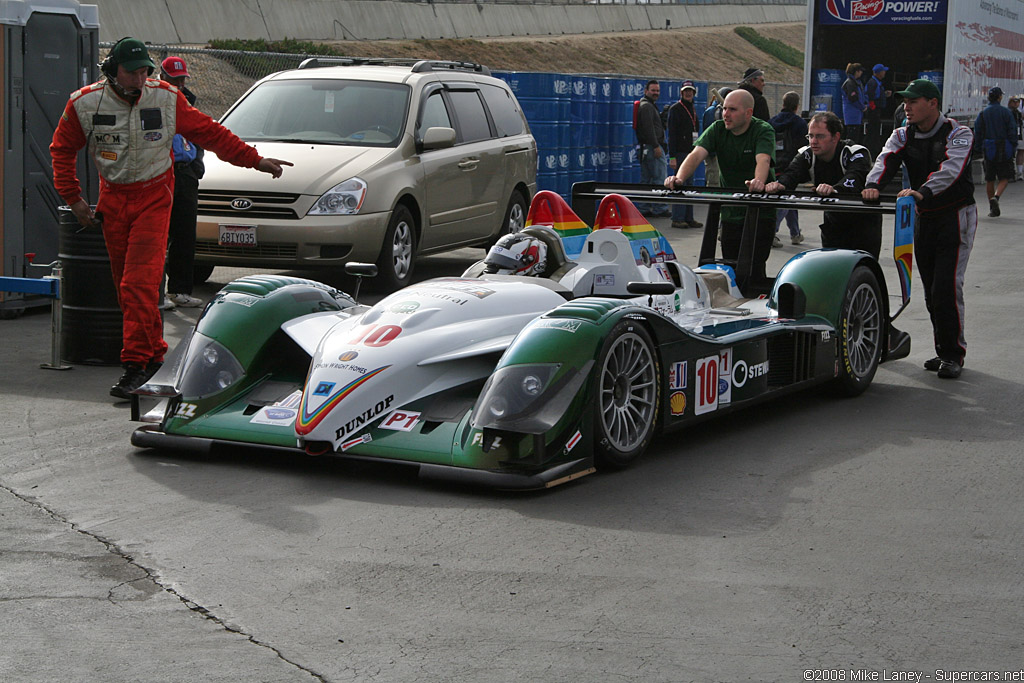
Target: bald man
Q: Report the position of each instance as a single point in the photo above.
(745, 148)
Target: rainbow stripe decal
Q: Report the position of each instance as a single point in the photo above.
(649, 246)
(903, 242)
(307, 420)
(549, 209)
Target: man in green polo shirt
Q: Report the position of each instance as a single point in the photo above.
(745, 147)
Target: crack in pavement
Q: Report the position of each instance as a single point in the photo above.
(183, 599)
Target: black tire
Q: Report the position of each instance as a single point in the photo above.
(398, 253)
(628, 396)
(201, 272)
(862, 328)
(514, 219)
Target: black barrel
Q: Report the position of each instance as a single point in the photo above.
(91, 325)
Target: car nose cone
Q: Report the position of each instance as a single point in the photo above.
(241, 204)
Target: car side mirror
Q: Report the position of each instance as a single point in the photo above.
(437, 138)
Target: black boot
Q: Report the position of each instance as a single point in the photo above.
(134, 377)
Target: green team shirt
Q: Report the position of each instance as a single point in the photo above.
(737, 157)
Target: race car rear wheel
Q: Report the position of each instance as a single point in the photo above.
(861, 332)
(628, 395)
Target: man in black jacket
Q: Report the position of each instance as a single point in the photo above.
(683, 129)
(937, 154)
(650, 133)
(834, 166)
(753, 83)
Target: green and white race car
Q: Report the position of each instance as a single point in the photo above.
(567, 350)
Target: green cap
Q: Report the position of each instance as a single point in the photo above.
(131, 53)
(922, 87)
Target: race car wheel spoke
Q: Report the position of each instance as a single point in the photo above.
(627, 392)
(862, 332)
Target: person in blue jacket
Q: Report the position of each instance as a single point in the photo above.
(855, 102)
(996, 130)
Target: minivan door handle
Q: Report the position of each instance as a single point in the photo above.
(469, 163)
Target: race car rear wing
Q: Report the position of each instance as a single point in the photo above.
(587, 195)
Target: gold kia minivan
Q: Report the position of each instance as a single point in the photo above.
(393, 159)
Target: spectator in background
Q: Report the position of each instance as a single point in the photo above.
(746, 151)
(996, 128)
(188, 169)
(683, 129)
(1018, 118)
(753, 83)
(878, 97)
(855, 101)
(711, 114)
(790, 136)
(650, 133)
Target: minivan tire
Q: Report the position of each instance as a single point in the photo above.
(398, 252)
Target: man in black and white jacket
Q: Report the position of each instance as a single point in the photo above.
(834, 166)
(937, 155)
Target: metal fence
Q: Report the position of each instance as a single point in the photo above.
(220, 77)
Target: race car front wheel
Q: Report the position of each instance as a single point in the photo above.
(861, 332)
(628, 395)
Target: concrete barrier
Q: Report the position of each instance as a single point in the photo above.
(198, 21)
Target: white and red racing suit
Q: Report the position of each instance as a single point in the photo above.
(130, 143)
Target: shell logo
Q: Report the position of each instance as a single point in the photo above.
(677, 403)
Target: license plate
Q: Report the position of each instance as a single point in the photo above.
(237, 236)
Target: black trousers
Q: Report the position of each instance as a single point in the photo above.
(873, 131)
(852, 231)
(732, 233)
(181, 235)
(942, 245)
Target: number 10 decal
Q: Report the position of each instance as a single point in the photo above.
(713, 383)
(377, 335)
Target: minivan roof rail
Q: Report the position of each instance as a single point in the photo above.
(418, 65)
(440, 65)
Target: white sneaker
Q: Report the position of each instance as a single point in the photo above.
(185, 300)
(776, 242)
(797, 238)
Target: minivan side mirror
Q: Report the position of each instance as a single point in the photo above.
(438, 138)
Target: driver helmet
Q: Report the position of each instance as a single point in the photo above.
(517, 254)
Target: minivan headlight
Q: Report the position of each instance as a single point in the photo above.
(343, 198)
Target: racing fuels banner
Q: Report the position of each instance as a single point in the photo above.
(882, 12)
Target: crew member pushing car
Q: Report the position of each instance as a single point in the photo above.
(128, 122)
(937, 155)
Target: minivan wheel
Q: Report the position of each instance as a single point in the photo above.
(515, 217)
(515, 214)
(397, 254)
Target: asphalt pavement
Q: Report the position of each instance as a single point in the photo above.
(809, 539)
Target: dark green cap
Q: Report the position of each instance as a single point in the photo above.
(922, 87)
(131, 53)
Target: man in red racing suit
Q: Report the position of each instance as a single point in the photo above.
(128, 121)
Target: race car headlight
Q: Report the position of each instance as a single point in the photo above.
(208, 368)
(343, 198)
(527, 398)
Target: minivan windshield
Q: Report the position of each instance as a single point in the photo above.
(321, 111)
